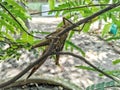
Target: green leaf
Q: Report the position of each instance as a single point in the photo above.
(106, 29)
(30, 39)
(66, 46)
(15, 4)
(101, 86)
(86, 27)
(51, 4)
(117, 61)
(57, 14)
(93, 87)
(113, 38)
(7, 22)
(8, 36)
(85, 68)
(75, 47)
(110, 83)
(26, 38)
(22, 23)
(111, 72)
(70, 35)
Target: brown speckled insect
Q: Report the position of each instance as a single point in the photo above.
(58, 45)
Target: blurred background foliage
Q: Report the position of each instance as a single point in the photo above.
(13, 36)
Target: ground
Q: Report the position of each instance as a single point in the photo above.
(97, 52)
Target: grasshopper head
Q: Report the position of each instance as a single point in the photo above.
(66, 22)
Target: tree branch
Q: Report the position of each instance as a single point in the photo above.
(85, 20)
(72, 8)
(40, 61)
(23, 72)
(89, 63)
(49, 52)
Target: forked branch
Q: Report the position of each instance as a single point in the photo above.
(48, 53)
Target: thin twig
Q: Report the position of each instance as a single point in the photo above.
(71, 8)
(87, 19)
(89, 63)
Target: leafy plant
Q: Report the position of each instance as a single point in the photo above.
(13, 31)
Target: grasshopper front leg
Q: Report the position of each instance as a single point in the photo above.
(42, 43)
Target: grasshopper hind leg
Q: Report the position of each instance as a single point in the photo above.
(57, 62)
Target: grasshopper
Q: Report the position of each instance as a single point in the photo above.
(59, 44)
